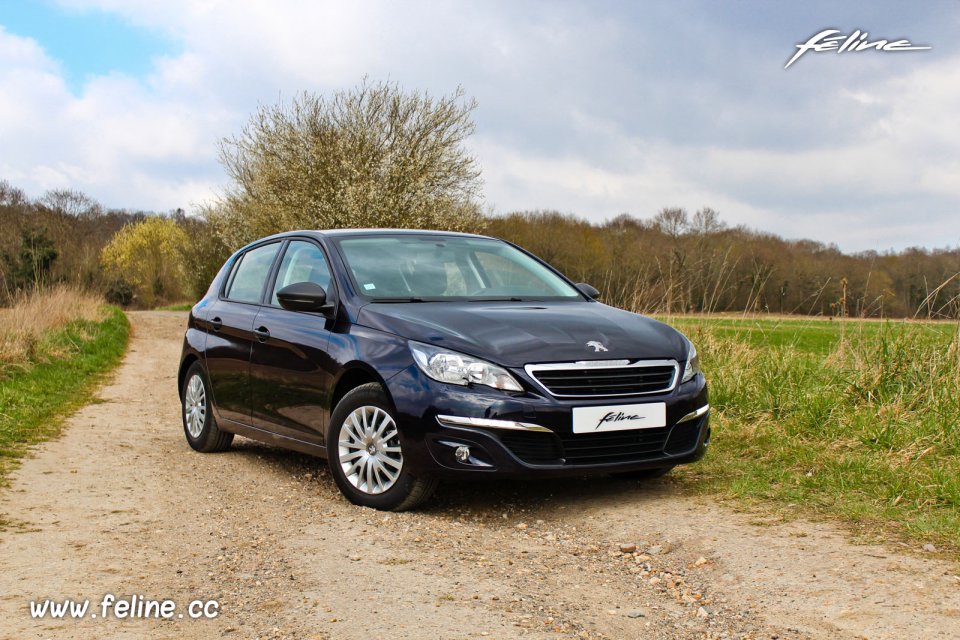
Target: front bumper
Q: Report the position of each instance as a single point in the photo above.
(538, 440)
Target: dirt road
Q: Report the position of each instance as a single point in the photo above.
(121, 505)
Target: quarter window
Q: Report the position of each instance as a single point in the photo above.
(250, 275)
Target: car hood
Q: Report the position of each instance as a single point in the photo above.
(513, 334)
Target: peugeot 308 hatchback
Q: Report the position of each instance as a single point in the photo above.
(406, 357)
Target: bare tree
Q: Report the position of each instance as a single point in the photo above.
(672, 221)
(11, 196)
(72, 203)
(706, 221)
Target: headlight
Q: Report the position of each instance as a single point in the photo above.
(693, 364)
(456, 368)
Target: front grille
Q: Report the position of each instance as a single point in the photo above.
(615, 446)
(537, 447)
(582, 380)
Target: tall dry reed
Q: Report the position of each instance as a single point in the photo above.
(25, 326)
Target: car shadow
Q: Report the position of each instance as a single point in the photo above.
(454, 498)
(548, 496)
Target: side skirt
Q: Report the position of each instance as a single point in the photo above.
(269, 437)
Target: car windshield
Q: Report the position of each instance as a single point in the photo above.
(434, 267)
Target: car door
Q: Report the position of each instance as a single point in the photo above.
(291, 373)
(230, 334)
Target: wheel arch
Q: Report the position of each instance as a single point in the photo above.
(355, 375)
(185, 365)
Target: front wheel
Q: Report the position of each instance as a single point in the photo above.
(365, 454)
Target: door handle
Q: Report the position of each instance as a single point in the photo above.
(262, 333)
(216, 323)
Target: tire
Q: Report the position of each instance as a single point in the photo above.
(196, 411)
(365, 454)
(643, 474)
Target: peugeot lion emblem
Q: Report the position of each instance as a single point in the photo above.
(597, 346)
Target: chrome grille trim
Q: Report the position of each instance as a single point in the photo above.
(461, 421)
(693, 415)
(600, 365)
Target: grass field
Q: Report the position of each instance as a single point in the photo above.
(180, 306)
(52, 364)
(854, 419)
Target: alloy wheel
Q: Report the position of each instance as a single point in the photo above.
(369, 450)
(195, 406)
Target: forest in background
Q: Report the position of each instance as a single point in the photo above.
(671, 262)
(675, 262)
(59, 238)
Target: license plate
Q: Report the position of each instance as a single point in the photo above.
(619, 417)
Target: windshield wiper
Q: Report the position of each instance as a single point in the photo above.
(513, 299)
(395, 300)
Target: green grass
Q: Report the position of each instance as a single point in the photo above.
(180, 306)
(854, 419)
(811, 335)
(35, 399)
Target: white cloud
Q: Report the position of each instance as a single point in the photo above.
(118, 140)
(590, 114)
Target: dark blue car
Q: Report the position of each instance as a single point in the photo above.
(406, 357)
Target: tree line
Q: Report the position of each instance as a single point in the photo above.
(61, 237)
(671, 262)
(379, 156)
(675, 262)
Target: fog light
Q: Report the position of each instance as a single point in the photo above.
(462, 454)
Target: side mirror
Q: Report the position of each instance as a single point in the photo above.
(304, 296)
(587, 290)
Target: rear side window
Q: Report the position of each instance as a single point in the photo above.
(302, 262)
(249, 277)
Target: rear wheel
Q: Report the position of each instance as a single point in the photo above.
(199, 425)
(366, 456)
(643, 474)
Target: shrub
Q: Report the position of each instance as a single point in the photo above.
(148, 255)
(119, 292)
(373, 156)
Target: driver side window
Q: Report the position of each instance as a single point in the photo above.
(302, 262)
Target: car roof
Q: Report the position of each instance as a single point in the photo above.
(359, 233)
(343, 233)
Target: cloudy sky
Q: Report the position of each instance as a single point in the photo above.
(591, 108)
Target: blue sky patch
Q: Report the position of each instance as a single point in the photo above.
(86, 43)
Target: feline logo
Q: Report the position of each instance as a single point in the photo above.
(834, 40)
(597, 346)
(620, 416)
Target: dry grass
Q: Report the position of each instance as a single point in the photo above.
(25, 327)
(70, 355)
